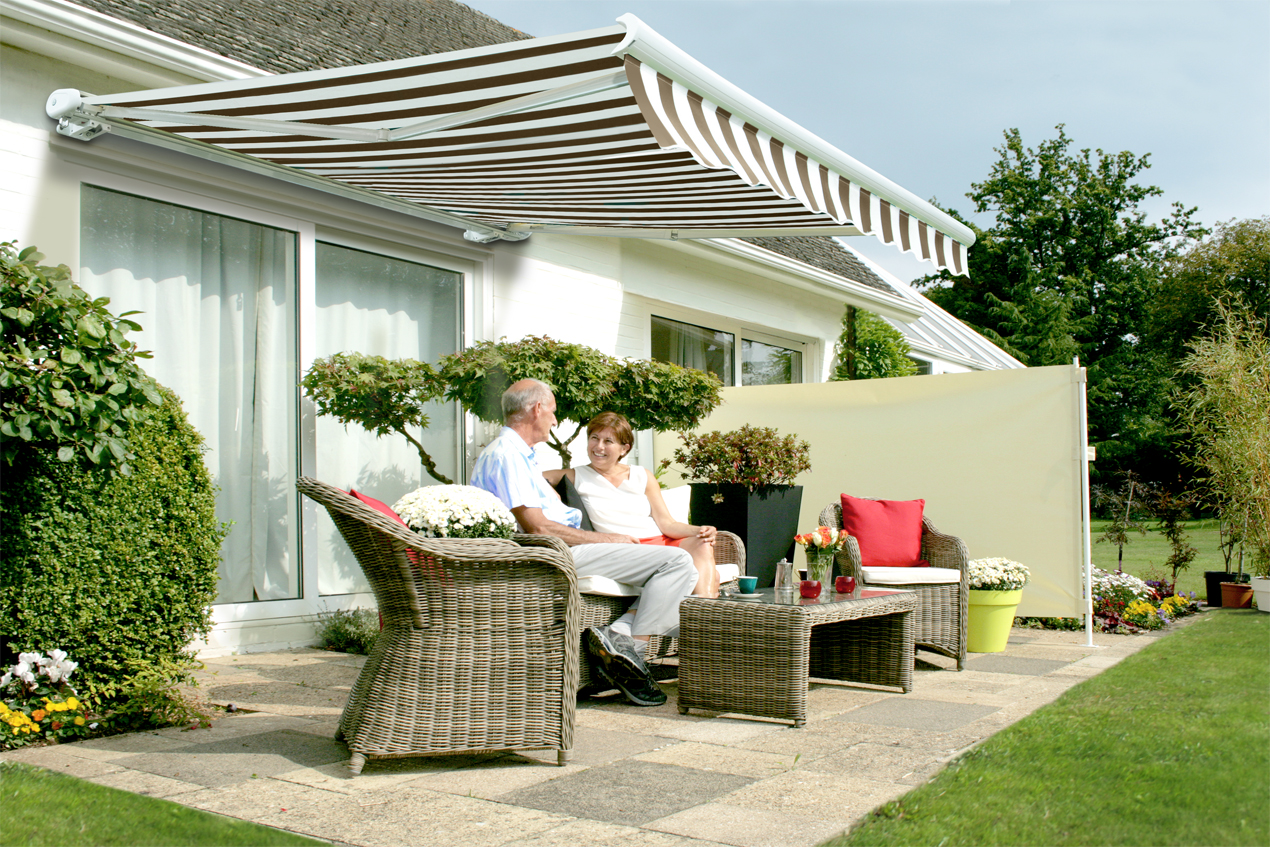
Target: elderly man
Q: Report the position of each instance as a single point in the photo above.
(508, 469)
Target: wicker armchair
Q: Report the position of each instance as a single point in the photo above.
(940, 620)
(480, 643)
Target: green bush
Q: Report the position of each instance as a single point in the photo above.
(119, 571)
(348, 630)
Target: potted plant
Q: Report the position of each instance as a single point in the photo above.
(996, 586)
(743, 482)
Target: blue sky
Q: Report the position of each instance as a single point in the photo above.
(921, 91)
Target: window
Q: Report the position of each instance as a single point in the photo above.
(923, 366)
(694, 347)
(381, 306)
(764, 360)
(767, 364)
(218, 303)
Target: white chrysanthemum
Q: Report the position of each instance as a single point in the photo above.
(455, 511)
(1105, 581)
(997, 574)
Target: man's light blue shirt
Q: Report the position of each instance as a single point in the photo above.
(508, 469)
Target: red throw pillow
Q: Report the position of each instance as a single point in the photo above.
(378, 506)
(889, 532)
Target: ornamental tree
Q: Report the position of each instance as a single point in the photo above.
(1226, 413)
(1069, 267)
(380, 395)
(870, 348)
(69, 377)
(652, 395)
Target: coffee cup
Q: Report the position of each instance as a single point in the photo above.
(747, 584)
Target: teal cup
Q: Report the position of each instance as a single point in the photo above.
(747, 584)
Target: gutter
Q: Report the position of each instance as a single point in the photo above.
(116, 36)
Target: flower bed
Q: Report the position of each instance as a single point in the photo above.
(1124, 604)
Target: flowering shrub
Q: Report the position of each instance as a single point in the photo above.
(997, 574)
(455, 511)
(37, 703)
(1142, 614)
(1124, 604)
(756, 457)
(824, 539)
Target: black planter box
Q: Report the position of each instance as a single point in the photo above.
(767, 522)
(1213, 581)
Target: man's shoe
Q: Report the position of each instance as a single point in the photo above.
(619, 665)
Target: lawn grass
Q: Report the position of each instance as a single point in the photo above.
(1169, 747)
(40, 808)
(1145, 555)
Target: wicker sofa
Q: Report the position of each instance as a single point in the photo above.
(480, 643)
(940, 620)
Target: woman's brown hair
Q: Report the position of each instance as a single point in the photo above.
(620, 425)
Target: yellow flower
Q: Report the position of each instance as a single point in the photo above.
(73, 703)
(79, 721)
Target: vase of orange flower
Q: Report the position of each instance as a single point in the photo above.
(821, 545)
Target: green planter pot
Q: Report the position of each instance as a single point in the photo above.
(991, 614)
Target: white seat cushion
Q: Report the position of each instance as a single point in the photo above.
(911, 576)
(612, 588)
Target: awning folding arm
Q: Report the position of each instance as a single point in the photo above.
(76, 117)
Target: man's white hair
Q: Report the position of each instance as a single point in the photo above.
(518, 401)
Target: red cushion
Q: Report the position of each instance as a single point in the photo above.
(889, 532)
(378, 506)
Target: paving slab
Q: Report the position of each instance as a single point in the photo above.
(58, 759)
(627, 792)
(882, 762)
(228, 761)
(914, 713)
(724, 759)
(1019, 665)
(148, 784)
(414, 817)
(280, 698)
(751, 826)
(595, 834)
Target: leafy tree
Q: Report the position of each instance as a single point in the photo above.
(1068, 268)
(1226, 412)
(1127, 507)
(870, 348)
(69, 379)
(652, 395)
(1235, 261)
(380, 395)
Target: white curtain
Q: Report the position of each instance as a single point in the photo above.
(693, 347)
(217, 297)
(380, 306)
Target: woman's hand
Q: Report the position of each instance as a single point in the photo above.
(707, 534)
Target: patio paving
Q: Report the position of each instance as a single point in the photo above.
(639, 776)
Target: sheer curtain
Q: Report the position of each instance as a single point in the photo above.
(217, 297)
(381, 306)
(693, 346)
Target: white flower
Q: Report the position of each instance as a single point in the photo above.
(997, 574)
(30, 658)
(448, 511)
(6, 679)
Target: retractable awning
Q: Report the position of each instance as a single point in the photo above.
(612, 131)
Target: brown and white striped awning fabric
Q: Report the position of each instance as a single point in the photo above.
(570, 133)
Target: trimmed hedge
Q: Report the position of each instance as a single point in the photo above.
(114, 570)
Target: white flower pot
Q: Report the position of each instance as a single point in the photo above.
(1261, 592)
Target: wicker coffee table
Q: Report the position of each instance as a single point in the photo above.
(755, 656)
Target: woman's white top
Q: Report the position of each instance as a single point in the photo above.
(617, 508)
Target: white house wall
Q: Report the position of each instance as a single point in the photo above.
(596, 291)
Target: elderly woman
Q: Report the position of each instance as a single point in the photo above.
(626, 499)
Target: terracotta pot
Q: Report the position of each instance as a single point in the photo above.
(1236, 595)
